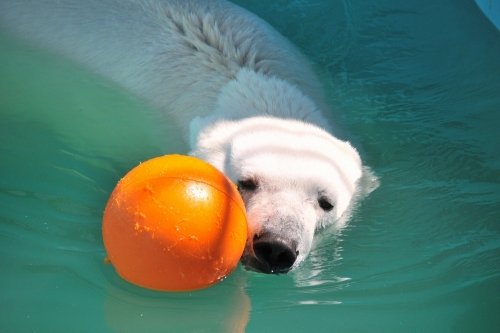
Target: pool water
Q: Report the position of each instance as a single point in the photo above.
(416, 83)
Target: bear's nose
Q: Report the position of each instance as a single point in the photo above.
(277, 254)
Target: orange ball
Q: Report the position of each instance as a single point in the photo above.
(174, 223)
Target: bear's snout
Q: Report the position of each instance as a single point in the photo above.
(275, 253)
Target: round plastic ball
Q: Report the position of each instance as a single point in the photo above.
(174, 223)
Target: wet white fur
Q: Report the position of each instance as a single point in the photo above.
(248, 99)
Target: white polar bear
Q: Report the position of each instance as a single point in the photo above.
(249, 99)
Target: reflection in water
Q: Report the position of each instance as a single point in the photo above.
(223, 308)
(317, 279)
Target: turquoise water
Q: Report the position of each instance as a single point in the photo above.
(417, 83)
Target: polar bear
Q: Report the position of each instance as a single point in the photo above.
(248, 99)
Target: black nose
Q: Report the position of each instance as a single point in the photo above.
(275, 253)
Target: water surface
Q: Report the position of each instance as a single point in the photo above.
(417, 86)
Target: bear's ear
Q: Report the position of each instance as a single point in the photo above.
(211, 141)
(195, 128)
(368, 182)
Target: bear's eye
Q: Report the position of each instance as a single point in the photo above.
(247, 184)
(325, 204)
